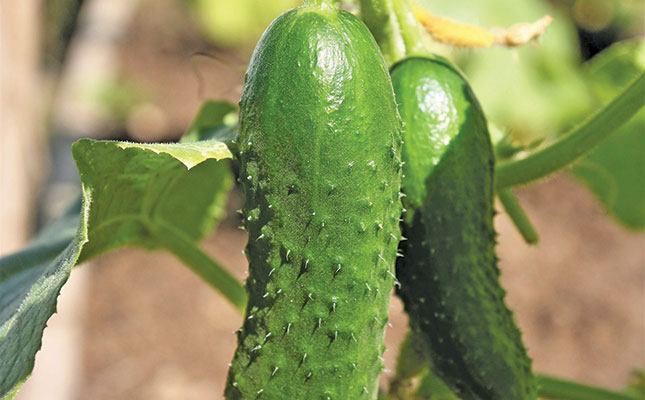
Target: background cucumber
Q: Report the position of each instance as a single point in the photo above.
(449, 275)
(320, 168)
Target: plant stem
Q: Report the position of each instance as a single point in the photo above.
(411, 30)
(201, 263)
(555, 388)
(319, 3)
(518, 216)
(380, 18)
(575, 144)
(394, 27)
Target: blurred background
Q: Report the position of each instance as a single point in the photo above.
(138, 325)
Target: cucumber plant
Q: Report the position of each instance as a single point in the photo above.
(325, 160)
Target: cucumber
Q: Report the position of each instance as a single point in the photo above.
(449, 274)
(320, 140)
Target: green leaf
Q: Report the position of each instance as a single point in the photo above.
(157, 196)
(136, 187)
(214, 120)
(616, 67)
(150, 195)
(614, 171)
(30, 282)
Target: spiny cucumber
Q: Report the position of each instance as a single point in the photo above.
(320, 163)
(449, 274)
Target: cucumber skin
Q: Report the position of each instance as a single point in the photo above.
(449, 274)
(320, 140)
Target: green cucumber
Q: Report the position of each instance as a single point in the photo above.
(449, 274)
(320, 140)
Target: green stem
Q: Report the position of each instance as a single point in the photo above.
(394, 27)
(201, 263)
(411, 30)
(555, 388)
(319, 3)
(518, 216)
(380, 18)
(575, 144)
